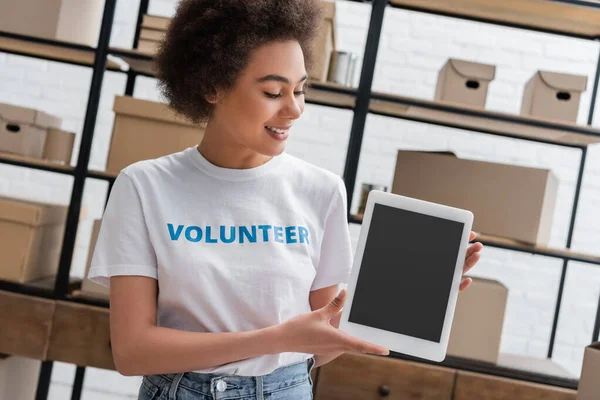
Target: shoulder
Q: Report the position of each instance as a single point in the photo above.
(315, 179)
(159, 169)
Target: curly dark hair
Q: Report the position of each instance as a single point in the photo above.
(209, 42)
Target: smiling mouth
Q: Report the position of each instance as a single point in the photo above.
(277, 130)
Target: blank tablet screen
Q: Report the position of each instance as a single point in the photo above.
(406, 273)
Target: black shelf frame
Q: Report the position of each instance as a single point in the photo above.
(364, 95)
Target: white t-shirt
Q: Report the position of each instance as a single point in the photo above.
(232, 249)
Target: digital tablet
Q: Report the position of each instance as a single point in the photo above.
(406, 274)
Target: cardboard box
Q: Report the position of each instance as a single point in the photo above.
(324, 44)
(18, 378)
(477, 326)
(508, 201)
(146, 130)
(589, 384)
(88, 286)
(23, 130)
(152, 34)
(31, 237)
(551, 95)
(58, 146)
(74, 21)
(148, 46)
(464, 82)
(155, 22)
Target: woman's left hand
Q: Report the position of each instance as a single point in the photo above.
(471, 259)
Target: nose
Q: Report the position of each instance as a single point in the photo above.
(293, 108)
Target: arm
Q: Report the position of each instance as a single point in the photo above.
(318, 299)
(141, 348)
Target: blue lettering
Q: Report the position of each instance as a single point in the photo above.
(265, 229)
(303, 233)
(188, 233)
(244, 232)
(231, 236)
(175, 234)
(278, 232)
(290, 234)
(208, 238)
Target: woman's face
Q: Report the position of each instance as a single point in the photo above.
(258, 112)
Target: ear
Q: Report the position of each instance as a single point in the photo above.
(214, 96)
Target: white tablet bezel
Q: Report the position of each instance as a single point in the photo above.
(393, 341)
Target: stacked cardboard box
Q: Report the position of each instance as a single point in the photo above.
(154, 27)
(31, 235)
(152, 33)
(33, 133)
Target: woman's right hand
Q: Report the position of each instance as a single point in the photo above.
(312, 333)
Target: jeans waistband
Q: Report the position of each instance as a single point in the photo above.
(208, 384)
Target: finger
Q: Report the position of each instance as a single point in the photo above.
(366, 347)
(471, 262)
(475, 247)
(465, 284)
(472, 236)
(335, 306)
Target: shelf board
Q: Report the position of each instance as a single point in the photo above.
(107, 176)
(68, 331)
(36, 163)
(480, 120)
(26, 324)
(560, 17)
(51, 50)
(321, 93)
(510, 244)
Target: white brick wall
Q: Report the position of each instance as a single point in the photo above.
(413, 47)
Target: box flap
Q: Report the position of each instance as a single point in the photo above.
(148, 109)
(473, 70)
(23, 115)
(595, 346)
(566, 82)
(32, 213)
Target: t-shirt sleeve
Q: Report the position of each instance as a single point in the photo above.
(123, 246)
(335, 261)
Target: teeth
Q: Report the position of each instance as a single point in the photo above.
(280, 131)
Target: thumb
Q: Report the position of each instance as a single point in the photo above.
(336, 304)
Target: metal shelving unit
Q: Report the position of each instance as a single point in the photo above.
(578, 19)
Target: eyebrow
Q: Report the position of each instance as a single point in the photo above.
(278, 78)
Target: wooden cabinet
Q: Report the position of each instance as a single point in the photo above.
(366, 377)
(26, 323)
(81, 335)
(473, 386)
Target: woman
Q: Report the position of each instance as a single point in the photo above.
(224, 259)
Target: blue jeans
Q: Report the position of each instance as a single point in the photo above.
(291, 382)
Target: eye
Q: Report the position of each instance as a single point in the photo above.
(272, 96)
(300, 93)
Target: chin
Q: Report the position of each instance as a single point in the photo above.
(272, 151)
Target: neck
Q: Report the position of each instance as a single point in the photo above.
(221, 149)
